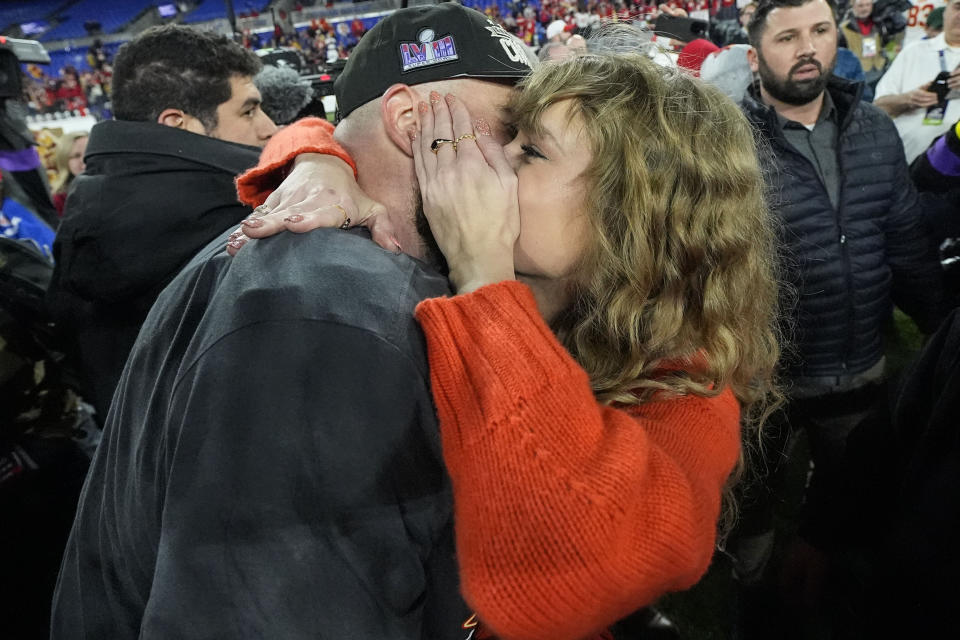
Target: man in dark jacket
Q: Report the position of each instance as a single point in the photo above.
(936, 172)
(892, 524)
(853, 238)
(158, 186)
(271, 464)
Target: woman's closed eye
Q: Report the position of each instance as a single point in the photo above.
(530, 151)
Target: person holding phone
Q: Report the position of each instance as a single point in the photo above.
(920, 114)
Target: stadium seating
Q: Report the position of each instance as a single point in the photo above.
(214, 9)
(112, 16)
(505, 6)
(75, 57)
(17, 13)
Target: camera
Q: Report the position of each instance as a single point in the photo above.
(13, 51)
(939, 86)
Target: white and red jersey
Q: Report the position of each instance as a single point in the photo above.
(917, 19)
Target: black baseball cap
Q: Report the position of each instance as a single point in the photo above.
(427, 44)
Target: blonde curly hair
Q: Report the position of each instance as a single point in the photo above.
(677, 291)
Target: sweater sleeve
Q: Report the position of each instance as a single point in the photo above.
(309, 135)
(569, 514)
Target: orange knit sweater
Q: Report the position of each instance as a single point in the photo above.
(569, 515)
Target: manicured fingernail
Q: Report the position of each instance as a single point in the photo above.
(482, 127)
(236, 234)
(412, 133)
(237, 244)
(399, 248)
(434, 97)
(451, 99)
(296, 217)
(422, 107)
(253, 222)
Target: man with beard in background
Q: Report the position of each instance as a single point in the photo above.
(854, 244)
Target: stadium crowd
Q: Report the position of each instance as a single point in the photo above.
(664, 345)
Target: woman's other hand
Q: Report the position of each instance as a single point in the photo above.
(319, 192)
(469, 193)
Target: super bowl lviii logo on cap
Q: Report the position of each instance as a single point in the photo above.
(428, 51)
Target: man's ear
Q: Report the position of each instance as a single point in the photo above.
(178, 119)
(175, 118)
(398, 111)
(753, 59)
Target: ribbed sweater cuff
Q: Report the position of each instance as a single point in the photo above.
(309, 135)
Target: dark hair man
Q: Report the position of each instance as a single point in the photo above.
(852, 233)
(158, 186)
(270, 467)
(193, 80)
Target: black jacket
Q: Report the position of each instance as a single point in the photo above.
(150, 198)
(895, 505)
(847, 264)
(271, 467)
(939, 184)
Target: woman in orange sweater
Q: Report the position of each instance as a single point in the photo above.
(612, 333)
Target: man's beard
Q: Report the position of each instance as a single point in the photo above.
(795, 92)
(431, 250)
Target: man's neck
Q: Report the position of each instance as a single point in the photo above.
(388, 177)
(952, 45)
(805, 114)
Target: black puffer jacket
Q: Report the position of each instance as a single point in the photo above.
(847, 264)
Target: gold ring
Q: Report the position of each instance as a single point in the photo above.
(262, 210)
(436, 144)
(466, 136)
(346, 219)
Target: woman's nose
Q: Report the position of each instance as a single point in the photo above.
(513, 153)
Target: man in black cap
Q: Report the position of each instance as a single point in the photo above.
(398, 63)
(271, 465)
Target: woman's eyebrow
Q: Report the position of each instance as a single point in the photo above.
(543, 133)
